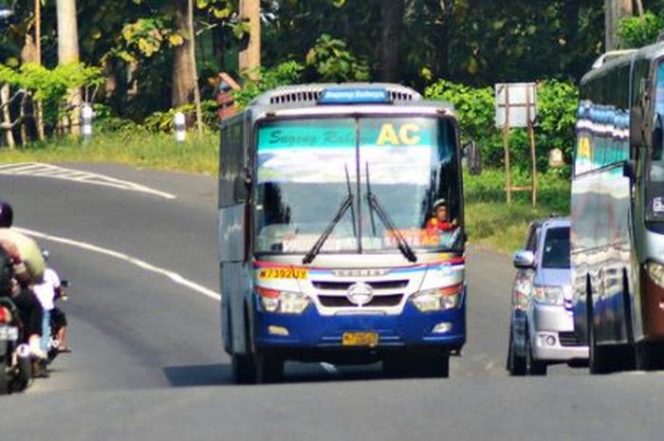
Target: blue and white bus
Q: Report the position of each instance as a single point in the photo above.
(328, 250)
(617, 235)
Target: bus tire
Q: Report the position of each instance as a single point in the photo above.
(269, 367)
(430, 363)
(243, 369)
(596, 362)
(627, 355)
(649, 356)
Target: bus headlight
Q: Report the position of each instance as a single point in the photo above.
(438, 299)
(656, 272)
(283, 302)
(548, 295)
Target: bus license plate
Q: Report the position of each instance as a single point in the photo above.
(359, 339)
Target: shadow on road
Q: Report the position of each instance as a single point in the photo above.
(198, 375)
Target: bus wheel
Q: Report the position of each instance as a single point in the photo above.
(596, 362)
(649, 356)
(243, 369)
(269, 367)
(430, 363)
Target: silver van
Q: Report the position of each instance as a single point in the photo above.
(542, 324)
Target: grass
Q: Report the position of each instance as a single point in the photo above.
(491, 222)
(149, 150)
(494, 224)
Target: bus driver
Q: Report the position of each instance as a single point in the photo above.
(439, 222)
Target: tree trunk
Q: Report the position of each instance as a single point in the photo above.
(614, 10)
(391, 15)
(192, 59)
(250, 55)
(6, 116)
(39, 117)
(184, 79)
(68, 53)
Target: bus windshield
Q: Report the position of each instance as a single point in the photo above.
(655, 187)
(307, 170)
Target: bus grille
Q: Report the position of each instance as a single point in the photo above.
(343, 286)
(376, 302)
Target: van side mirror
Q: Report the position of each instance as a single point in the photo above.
(473, 155)
(524, 259)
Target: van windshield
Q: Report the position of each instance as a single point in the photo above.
(556, 248)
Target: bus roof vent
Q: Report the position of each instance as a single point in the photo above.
(611, 55)
(295, 96)
(312, 93)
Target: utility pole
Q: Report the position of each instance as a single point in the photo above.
(614, 10)
(250, 56)
(68, 53)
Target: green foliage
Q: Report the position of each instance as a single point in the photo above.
(474, 106)
(258, 82)
(164, 121)
(557, 102)
(636, 32)
(145, 37)
(50, 85)
(333, 62)
(493, 223)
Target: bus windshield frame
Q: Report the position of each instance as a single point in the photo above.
(306, 169)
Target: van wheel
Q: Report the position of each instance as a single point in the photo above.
(4, 377)
(516, 364)
(533, 367)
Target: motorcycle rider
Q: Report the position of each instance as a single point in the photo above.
(46, 292)
(28, 270)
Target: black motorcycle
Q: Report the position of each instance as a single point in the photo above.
(15, 364)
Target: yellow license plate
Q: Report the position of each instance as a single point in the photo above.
(359, 339)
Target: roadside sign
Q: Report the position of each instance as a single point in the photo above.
(518, 101)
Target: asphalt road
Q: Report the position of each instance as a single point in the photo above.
(148, 364)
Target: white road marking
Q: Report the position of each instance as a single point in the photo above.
(330, 368)
(175, 277)
(55, 172)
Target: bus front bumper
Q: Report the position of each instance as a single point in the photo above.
(442, 329)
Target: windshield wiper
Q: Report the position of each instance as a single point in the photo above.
(345, 205)
(374, 204)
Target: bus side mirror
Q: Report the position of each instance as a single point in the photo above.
(657, 139)
(635, 127)
(473, 155)
(241, 186)
(629, 169)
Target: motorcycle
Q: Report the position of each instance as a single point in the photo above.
(58, 321)
(15, 363)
